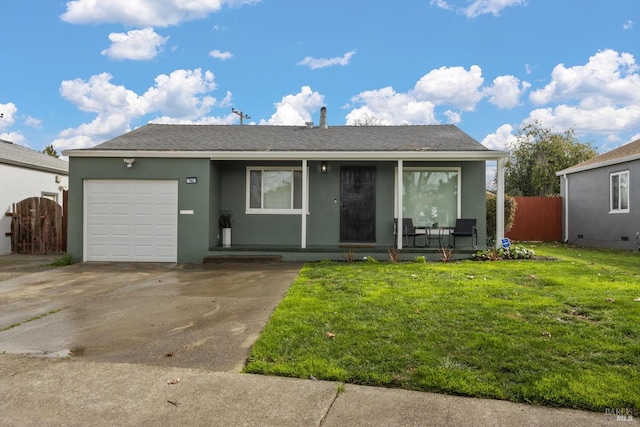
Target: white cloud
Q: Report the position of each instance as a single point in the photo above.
(296, 109)
(452, 86)
(453, 117)
(182, 95)
(33, 122)
(99, 95)
(442, 4)
(388, 107)
(628, 25)
(139, 45)
(8, 111)
(608, 77)
(479, 7)
(223, 56)
(500, 139)
(506, 91)
(143, 13)
(15, 137)
(605, 95)
(601, 120)
(315, 63)
(446, 86)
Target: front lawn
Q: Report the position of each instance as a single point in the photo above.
(560, 333)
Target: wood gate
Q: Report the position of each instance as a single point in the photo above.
(37, 227)
(537, 219)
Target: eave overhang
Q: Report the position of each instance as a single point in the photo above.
(597, 165)
(297, 155)
(31, 166)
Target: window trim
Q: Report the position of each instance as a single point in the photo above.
(271, 211)
(49, 195)
(612, 208)
(457, 169)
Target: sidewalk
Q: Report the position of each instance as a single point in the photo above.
(50, 392)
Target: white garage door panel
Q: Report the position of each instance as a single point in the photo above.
(131, 220)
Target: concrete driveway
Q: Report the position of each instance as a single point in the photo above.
(197, 316)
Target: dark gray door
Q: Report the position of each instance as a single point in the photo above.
(358, 204)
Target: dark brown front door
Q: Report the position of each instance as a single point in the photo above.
(358, 204)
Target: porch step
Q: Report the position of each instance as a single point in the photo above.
(220, 259)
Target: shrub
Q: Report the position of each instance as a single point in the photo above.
(515, 252)
(65, 259)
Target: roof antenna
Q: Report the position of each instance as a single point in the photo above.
(242, 116)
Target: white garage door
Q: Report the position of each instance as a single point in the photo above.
(131, 220)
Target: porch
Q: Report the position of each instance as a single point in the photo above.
(248, 253)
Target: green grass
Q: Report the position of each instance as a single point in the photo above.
(562, 333)
(64, 260)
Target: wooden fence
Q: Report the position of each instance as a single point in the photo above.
(38, 227)
(537, 219)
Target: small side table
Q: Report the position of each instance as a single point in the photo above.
(437, 233)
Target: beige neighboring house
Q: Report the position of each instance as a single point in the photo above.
(27, 173)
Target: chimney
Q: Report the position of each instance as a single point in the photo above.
(323, 118)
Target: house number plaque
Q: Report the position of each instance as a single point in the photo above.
(191, 180)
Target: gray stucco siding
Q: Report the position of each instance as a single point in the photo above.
(193, 230)
(590, 222)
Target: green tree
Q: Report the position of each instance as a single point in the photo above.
(536, 155)
(51, 151)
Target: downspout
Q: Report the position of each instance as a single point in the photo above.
(400, 201)
(500, 202)
(305, 205)
(565, 202)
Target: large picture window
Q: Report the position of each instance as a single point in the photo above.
(619, 192)
(274, 190)
(431, 195)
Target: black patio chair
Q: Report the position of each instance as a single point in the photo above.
(465, 227)
(408, 230)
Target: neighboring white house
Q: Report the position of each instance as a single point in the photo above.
(27, 173)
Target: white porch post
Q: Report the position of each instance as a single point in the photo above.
(399, 207)
(305, 205)
(500, 202)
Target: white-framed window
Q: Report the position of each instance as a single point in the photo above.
(50, 196)
(274, 190)
(431, 195)
(619, 192)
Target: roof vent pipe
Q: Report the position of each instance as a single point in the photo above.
(323, 118)
(309, 125)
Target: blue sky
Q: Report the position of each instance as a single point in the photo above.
(77, 73)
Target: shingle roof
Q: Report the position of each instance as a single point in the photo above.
(169, 137)
(18, 155)
(624, 153)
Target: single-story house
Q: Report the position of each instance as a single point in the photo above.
(599, 208)
(156, 193)
(27, 173)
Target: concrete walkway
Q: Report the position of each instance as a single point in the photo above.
(53, 392)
